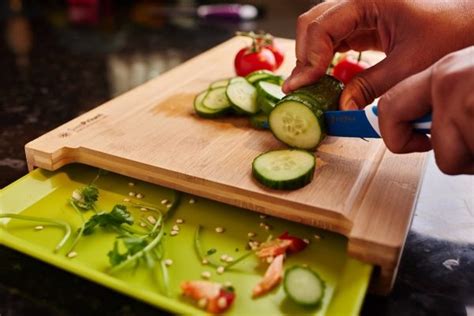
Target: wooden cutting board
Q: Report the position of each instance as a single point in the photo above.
(360, 189)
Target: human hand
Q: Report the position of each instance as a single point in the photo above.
(447, 90)
(413, 34)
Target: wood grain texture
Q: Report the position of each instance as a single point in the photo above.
(151, 133)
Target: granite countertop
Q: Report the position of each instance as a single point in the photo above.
(59, 62)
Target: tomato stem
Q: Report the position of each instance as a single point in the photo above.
(359, 57)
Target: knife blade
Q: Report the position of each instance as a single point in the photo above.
(364, 123)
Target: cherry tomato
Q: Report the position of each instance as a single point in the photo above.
(277, 52)
(249, 59)
(347, 68)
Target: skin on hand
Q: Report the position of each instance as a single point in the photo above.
(447, 90)
(413, 34)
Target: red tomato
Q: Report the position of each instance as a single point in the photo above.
(297, 244)
(248, 60)
(347, 68)
(277, 52)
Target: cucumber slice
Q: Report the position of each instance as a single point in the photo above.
(242, 95)
(264, 75)
(205, 112)
(270, 91)
(284, 169)
(304, 286)
(216, 99)
(324, 93)
(259, 121)
(219, 83)
(297, 124)
(264, 104)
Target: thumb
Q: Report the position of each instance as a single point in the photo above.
(373, 82)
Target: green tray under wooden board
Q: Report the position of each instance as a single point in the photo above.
(44, 193)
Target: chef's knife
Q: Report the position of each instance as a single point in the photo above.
(364, 123)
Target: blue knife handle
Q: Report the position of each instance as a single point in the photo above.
(421, 125)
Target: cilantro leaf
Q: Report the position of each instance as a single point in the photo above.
(85, 197)
(115, 257)
(118, 216)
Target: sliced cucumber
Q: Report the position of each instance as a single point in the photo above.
(204, 111)
(219, 83)
(264, 104)
(303, 286)
(259, 121)
(284, 169)
(242, 95)
(216, 99)
(264, 75)
(297, 124)
(324, 93)
(270, 91)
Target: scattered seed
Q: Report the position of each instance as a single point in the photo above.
(262, 224)
(175, 227)
(126, 200)
(306, 241)
(174, 232)
(224, 257)
(169, 205)
(316, 236)
(229, 259)
(179, 221)
(142, 224)
(168, 262)
(269, 259)
(76, 195)
(262, 216)
(192, 201)
(253, 244)
(131, 193)
(204, 261)
(220, 229)
(206, 274)
(222, 302)
(151, 219)
(39, 227)
(220, 269)
(131, 184)
(139, 196)
(143, 209)
(72, 254)
(164, 201)
(268, 227)
(202, 303)
(251, 235)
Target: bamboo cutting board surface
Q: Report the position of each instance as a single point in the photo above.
(360, 189)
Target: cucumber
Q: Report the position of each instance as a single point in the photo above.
(304, 286)
(264, 75)
(270, 91)
(284, 169)
(219, 83)
(242, 95)
(264, 104)
(297, 124)
(324, 93)
(259, 121)
(204, 111)
(297, 119)
(216, 99)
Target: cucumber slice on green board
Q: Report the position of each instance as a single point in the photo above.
(284, 169)
(303, 286)
(242, 95)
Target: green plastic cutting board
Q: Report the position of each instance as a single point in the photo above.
(43, 193)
